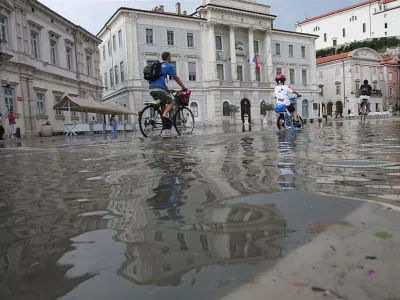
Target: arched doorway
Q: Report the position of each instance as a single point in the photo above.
(339, 107)
(329, 109)
(305, 108)
(245, 106)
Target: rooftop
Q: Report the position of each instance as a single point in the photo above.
(343, 10)
(332, 58)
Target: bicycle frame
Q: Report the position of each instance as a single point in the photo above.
(288, 117)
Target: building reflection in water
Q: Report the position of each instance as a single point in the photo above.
(205, 235)
(287, 174)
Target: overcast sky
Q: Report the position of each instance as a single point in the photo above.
(93, 14)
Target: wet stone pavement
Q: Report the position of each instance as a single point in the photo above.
(216, 215)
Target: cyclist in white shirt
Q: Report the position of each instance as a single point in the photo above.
(282, 92)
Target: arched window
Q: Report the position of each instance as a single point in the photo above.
(262, 108)
(195, 109)
(225, 109)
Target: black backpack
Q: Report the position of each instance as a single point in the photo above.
(152, 71)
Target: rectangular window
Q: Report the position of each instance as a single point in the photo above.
(258, 76)
(181, 239)
(9, 99)
(190, 40)
(122, 69)
(53, 52)
(278, 71)
(364, 28)
(111, 78)
(304, 77)
(114, 42)
(149, 36)
(303, 51)
(256, 47)
(386, 25)
(35, 44)
(3, 28)
(218, 43)
(69, 58)
(120, 37)
(57, 99)
(390, 76)
(116, 75)
(204, 242)
(334, 43)
(291, 50)
(292, 77)
(192, 71)
(278, 49)
(344, 32)
(338, 89)
(357, 87)
(105, 81)
(88, 65)
(170, 38)
(40, 109)
(220, 72)
(325, 37)
(104, 52)
(109, 48)
(390, 91)
(375, 86)
(239, 70)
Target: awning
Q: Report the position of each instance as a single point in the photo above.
(69, 103)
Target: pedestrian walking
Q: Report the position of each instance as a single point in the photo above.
(1, 127)
(12, 123)
(113, 124)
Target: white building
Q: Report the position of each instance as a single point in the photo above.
(368, 19)
(43, 56)
(340, 77)
(206, 46)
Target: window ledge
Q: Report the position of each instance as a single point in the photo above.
(75, 118)
(42, 117)
(60, 118)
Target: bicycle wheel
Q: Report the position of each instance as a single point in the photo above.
(184, 120)
(150, 122)
(280, 122)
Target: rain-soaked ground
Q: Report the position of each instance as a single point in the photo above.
(194, 217)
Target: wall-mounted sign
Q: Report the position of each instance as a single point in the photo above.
(20, 99)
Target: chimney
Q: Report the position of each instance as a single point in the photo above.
(185, 13)
(178, 8)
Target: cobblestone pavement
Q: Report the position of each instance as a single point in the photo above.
(202, 216)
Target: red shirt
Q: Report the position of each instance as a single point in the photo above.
(11, 118)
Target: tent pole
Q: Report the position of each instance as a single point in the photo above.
(69, 109)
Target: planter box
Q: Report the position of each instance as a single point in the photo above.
(47, 130)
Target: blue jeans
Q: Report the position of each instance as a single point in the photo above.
(114, 128)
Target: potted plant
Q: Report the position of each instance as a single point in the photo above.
(233, 109)
(47, 129)
(265, 109)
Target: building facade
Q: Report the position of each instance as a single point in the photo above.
(365, 20)
(390, 80)
(213, 51)
(43, 57)
(340, 77)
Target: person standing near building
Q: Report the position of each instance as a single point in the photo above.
(1, 127)
(113, 124)
(12, 123)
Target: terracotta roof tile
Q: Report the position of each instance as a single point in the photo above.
(342, 10)
(332, 58)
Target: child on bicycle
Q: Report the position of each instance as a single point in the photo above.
(282, 92)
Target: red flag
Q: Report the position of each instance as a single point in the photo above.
(255, 60)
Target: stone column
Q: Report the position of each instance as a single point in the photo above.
(233, 53)
(211, 51)
(132, 47)
(204, 41)
(251, 55)
(268, 67)
(313, 62)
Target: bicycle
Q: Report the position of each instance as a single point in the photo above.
(150, 117)
(285, 119)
